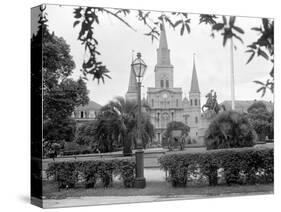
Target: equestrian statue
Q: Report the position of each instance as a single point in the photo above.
(212, 103)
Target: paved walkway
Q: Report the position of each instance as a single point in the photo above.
(87, 201)
(105, 200)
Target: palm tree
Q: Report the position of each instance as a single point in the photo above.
(230, 129)
(117, 124)
(229, 30)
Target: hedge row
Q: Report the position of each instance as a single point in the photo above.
(238, 166)
(78, 152)
(67, 174)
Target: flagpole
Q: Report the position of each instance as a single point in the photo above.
(232, 75)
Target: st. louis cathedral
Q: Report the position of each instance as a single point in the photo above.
(166, 101)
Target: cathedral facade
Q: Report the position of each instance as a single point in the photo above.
(166, 102)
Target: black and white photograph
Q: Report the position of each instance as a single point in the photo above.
(136, 105)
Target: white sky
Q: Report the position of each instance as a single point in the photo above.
(116, 42)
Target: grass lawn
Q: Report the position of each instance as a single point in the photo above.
(164, 189)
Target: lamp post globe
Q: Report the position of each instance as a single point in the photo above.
(139, 67)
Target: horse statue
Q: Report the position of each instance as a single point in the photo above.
(212, 103)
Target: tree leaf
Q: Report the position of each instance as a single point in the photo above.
(224, 20)
(224, 39)
(272, 72)
(238, 29)
(77, 12)
(250, 51)
(265, 23)
(177, 23)
(231, 21)
(251, 57)
(258, 82)
(182, 29)
(252, 46)
(256, 29)
(75, 23)
(262, 53)
(187, 27)
(237, 37)
(218, 26)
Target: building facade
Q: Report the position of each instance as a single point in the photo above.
(166, 101)
(86, 113)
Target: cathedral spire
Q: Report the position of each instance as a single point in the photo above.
(132, 82)
(163, 44)
(132, 88)
(194, 81)
(163, 53)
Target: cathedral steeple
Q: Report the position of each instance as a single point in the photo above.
(132, 88)
(164, 69)
(163, 53)
(163, 44)
(132, 82)
(194, 81)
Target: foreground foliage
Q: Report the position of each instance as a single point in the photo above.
(237, 166)
(68, 174)
(171, 126)
(261, 119)
(60, 93)
(116, 125)
(230, 129)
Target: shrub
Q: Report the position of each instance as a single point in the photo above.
(127, 172)
(174, 125)
(66, 173)
(230, 129)
(194, 141)
(240, 165)
(261, 119)
(79, 152)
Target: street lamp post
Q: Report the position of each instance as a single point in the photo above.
(139, 67)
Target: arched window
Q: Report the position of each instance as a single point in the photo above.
(172, 116)
(81, 114)
(196, 119)
(195, 102)
(167, 83)
(191, 102)
(152, 102)
(162, 83)
(177, 103)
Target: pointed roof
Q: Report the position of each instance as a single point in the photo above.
(194, 81)
(163, 44)
(163, 53)
(132, 82)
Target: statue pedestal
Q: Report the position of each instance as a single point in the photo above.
(206, 119)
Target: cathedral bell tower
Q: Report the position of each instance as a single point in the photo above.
(163, 69)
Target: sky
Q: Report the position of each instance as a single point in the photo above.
(117, 41)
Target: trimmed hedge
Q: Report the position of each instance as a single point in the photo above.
(67, 174)
(239, 166)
